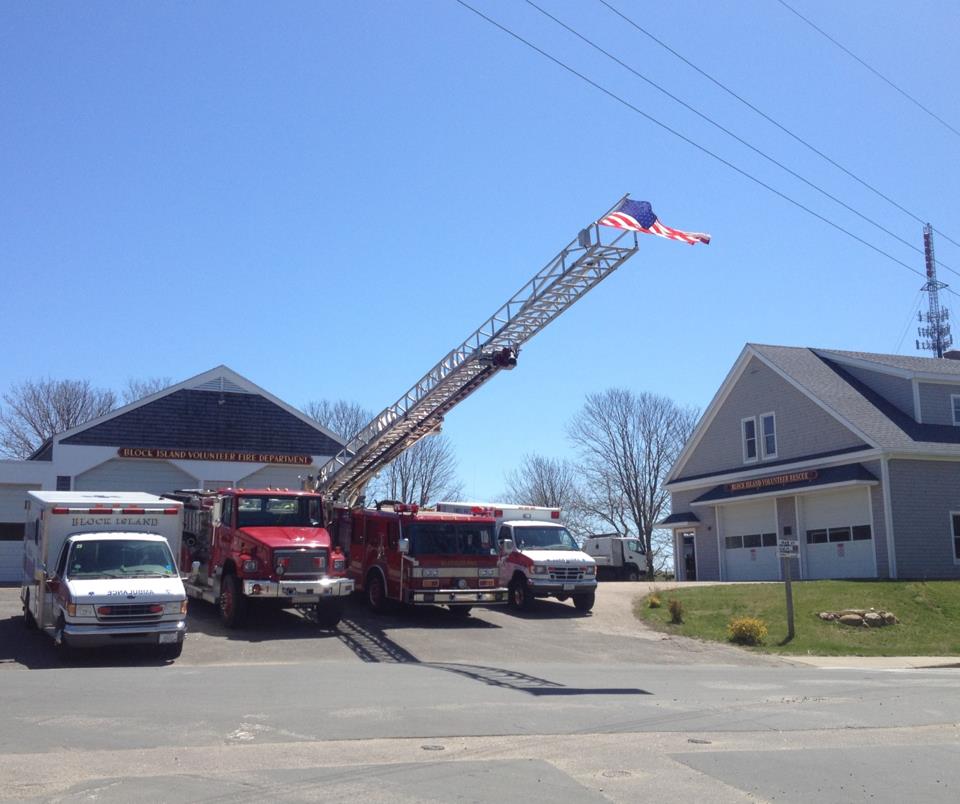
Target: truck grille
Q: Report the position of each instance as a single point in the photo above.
(139, 612)
(566, 573)
(302, 562)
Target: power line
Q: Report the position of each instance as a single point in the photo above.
(689, 141)
(914, 308)
(732, 134)
(876, 72)
(771, 120)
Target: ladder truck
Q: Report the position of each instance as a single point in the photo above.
(395, 552)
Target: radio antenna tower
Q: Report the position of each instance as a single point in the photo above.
(936, 334)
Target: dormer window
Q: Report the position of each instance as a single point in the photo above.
(749, 428)
(768, 429)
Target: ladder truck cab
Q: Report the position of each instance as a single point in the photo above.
(538, 555)
(99, 569)
(261, 547)
(618, 557)
(402, 553)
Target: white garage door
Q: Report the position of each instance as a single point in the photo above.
(155, 477)
(749, 531)
(838, 537)
(278, 477)
(12, 517)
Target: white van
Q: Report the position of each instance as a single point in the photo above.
(99, 568)
(538, 555)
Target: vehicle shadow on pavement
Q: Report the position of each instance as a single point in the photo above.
(547, 609)
(262, 624)
(37, 651)
(370, 644)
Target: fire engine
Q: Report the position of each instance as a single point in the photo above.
(396, 551)
(262, 547)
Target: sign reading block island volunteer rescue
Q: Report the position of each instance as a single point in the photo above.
(226, 456)
(772, 481)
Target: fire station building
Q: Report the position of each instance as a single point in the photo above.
(854, 455)
(214, 430)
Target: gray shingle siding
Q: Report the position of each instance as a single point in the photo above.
(896, 390)
(935, 406)
(923, 494)
(879, 520)
(803, 428)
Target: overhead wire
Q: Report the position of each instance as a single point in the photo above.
(914, 307)
(691, 142)
(872, 69)
(771, 120)
(733, 134)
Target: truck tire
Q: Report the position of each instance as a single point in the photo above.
(376, 593)
(329, 613)
(172, 652)
(520, 597)
(233, 605)
(28, 619)
(584, 602)
(631, 573)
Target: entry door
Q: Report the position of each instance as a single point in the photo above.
(688, 556)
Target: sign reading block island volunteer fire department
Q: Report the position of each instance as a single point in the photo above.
(227, 456)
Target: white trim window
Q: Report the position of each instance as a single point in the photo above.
(748, 431)
(768, 434)
(955, 409)
(955, 533)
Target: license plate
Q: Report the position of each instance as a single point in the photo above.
(569, 587)
(167, 638)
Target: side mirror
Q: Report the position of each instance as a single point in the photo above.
(507, 546)
(53, 584)
(404, 546)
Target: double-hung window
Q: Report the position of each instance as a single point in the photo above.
(768, 432)
(955, 407)
(749, 430)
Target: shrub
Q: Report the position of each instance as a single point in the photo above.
(747, 630)
(676, 610)
(653, 602)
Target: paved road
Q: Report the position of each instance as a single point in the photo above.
(422, 706)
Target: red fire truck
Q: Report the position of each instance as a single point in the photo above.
(262, 547)
(401, 553)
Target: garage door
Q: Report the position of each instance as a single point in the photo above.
(154, 477)
(12, 517)
(749, 531)
(278, 477)
(838, 537)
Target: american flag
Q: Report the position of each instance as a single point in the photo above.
(638, 216)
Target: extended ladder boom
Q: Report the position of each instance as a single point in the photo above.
(583, 264)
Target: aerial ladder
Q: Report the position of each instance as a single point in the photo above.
(492, 347)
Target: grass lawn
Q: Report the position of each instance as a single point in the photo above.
(929, 614)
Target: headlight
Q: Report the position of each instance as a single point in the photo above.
(591, 570)
(80, 611)
(539, 569)
(175, 607)
(488, 572)
(431, 573)
(250, 565)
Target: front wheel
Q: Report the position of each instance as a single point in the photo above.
(376, 593)
(329, 613)
(631, 573)
(520, 597)
(584, 602)
(233, 605)
(172, 651)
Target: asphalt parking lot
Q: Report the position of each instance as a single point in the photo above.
(551, 632)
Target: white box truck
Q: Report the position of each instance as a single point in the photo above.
(99, 568)
(538, 556)
(620, 558)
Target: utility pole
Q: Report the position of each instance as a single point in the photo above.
(936, 334)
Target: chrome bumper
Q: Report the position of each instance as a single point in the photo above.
(299, 591)
(547, 587)
(458, 597)
(89, 636)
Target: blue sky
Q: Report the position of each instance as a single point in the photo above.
(328, 196)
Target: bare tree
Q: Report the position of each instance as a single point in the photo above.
(425, 473)
(552, 483)
(627, 443)
(136, 390)
(345, 418)
(35, 410)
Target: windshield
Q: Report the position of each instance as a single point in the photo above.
(450, 538)
(258, 512)
(534, 538)
(120, 558)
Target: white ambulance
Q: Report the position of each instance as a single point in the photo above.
(99, 568)
(538, 555)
